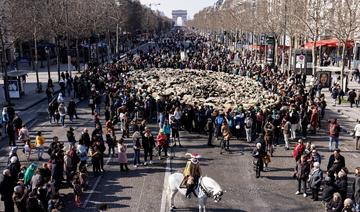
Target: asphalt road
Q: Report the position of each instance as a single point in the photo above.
(142, 188)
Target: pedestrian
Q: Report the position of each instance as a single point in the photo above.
(71, 137)
(5, 118)
(341, 183)
(11, 133)
(136, 146)
(122, 155)
(315, 179)
(336, 162)
(286, 131)
(23, 134)
(298, 150)
(85, 137)
(352, 97)
(77, 190)
(17, 123)
(161, 143)
(357, 99)
(33, 204)
(334, 132)
(248, 127)
(6, 190)
(111, 144)
(348, 206)
(148, 143)
(62, 112)
(209, 129)
(81, 151)
(95, 160)
(19, 197)
(226, 134)
(71, 109)
(356, 189)
(40, 141)
(356, 134)
(27, 149)
(334, 204)
(302, 171)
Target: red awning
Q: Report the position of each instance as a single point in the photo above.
(328, 43)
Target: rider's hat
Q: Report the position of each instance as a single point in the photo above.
(194, 157)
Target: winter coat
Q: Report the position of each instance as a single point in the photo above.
(336, 165)
(356, 189)
(316, 177)
(302, 170)
(122, 153)
(7, 188)
(333, 206)
(148, 141)
(341, 186)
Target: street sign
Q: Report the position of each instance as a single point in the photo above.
(300, 59)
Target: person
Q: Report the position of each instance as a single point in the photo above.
(85, 137)
(315, 179)
(348, 206)
(148, 143)
(334, 132)
(259, 153)
(5, 117)
(299, 150)
(122, 156)
(81, 151)
(71, 109)
(6, 190)
(27, 149)
(23, 134)
(77, 190)
(95, 159)
(248, 127)
(136, 146)
(17, 123)
(20, 197)
(111, 144)
(162, 144)
(11, 133)
(351, 97)
(356, 189)
(336, 162)
(40, 141)
(192, 173)
(335, 204)
(175, 130)
(71, 137)
(341, 183)
(209, 128)
(302, 170)
(62, 112)
(286, 131)
(357, 134)
(268, 137)
(225, 131)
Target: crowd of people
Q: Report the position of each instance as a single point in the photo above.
(116, 105)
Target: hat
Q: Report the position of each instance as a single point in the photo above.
(194, 157)
(71, 129)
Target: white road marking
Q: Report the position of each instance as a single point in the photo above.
(164, 197)
(94, 186)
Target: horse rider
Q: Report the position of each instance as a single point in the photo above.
(192, 173)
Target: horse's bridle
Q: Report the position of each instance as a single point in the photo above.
(217, 197)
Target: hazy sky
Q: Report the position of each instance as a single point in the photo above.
(192, 6)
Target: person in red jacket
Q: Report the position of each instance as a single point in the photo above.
(162, 143)
(299, 149)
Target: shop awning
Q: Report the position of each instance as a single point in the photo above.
(328, 43)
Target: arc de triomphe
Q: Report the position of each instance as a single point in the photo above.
(179, 13)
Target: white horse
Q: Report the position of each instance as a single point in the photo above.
(206, 188)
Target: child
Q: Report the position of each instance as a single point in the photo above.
(27, 149)
(40, 145)
(83, 178)
(77, 190)
(122, 155)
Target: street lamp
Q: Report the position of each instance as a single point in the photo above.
(47, 51)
